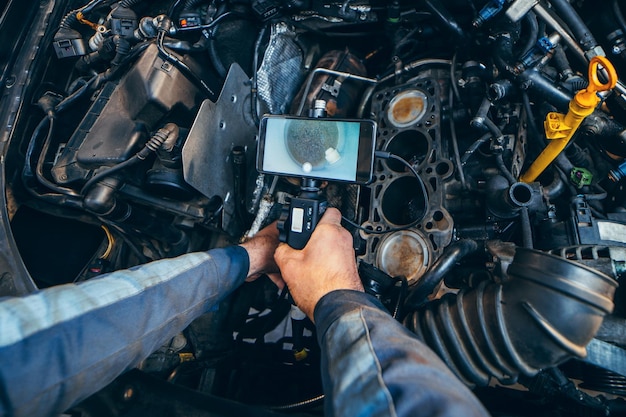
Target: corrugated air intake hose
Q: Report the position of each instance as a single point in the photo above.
(543, 313)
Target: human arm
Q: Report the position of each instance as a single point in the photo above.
(62, 344)
(371, 365)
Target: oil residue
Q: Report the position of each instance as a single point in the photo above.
(407, 108)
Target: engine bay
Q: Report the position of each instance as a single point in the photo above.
(494, 226)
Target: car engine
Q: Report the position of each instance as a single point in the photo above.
(494, 227)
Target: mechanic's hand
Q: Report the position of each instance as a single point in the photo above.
(261, 250)
(325, 264)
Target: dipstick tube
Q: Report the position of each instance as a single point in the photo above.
(560, 128)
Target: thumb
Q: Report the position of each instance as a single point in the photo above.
(331, 216)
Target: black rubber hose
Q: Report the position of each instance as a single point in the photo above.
(122, 49)
(182, 67)
(215, 57)
(527, 230)
(533, 81)
(533, 33)
(619, 16)
(151, 146)
(521, 205)
(108, 172)
(70, 19)
(567, 12)
(474, 147)
(129, 3)
(503, 169)
(502, 53)
(28, 174)
(544, 313)
(41, 161)
(560, 61)
(34, 143)
(190, 4)
(445, 17)
(429, 281)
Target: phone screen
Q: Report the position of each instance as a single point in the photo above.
(330, 149)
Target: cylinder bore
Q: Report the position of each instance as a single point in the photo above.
(403, 201)
(407, 108)
(405, 253)
(410, 145)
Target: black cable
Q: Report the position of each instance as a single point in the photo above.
(600, 195)
(387, 155)
(129, 3)
(76, 95)
(152, 145)
(495, 130)
(212, 49)
(441, 13)
(619, 16)
(218, 65)
(71, 17)
(503, 169)
(429, 281)
(27, 171)
(404, 287)
(172, 10)
(300, 404)
(255, 64)
(40, 162)
(209, 25)
(474, 146)
(126, 238)
(108, 172)
(453, 80)
(182, 67)
(94, 82)
(455, 142)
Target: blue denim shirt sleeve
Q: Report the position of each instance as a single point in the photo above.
(373, 366)
(62, 344)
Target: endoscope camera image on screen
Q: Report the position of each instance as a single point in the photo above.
(316, 148)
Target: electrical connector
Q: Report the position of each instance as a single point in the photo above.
(488, 12)
(617, 174)
(68, 43)
(580, 177)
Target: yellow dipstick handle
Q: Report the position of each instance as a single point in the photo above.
(561, 127)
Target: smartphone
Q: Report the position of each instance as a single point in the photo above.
(318, 148)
